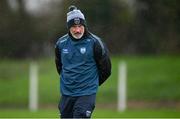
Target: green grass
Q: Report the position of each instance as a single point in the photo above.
(136, 114)
(24, 113)
(13, 82)
(153, 79)
(51, 113)
(149, 79)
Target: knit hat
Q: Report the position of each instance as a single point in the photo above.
(75, 17)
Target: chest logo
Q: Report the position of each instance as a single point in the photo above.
(83, 50)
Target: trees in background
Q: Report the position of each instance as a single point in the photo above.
(127, 27)
(159, 23)
(26, 33)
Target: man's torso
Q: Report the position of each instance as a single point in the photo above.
(79, 74)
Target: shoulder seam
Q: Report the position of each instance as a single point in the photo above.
(98, 40)
(62, 39)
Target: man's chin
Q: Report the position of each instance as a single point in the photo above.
(77, 37)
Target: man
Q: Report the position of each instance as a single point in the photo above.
(83, 64)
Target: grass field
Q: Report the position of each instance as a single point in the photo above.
(150, 79)
(51, 113)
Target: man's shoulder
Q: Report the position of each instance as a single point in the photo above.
(99, 45)
(94, 37)
(97, 40)
(62, 39)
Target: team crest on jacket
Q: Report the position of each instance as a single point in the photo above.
(83, 50)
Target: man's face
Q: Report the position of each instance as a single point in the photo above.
(77, 31)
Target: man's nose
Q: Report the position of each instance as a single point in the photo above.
(77, 29)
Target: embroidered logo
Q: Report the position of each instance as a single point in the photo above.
(83, 50)
(76, 21)
(65, 51)
(88, 113)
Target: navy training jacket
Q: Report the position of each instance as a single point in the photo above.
(83, 64)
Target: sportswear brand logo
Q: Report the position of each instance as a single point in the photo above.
(83, 50)
(65, 51)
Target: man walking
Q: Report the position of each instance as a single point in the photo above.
(83, 64)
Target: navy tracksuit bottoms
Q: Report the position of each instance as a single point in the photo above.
(77, 107)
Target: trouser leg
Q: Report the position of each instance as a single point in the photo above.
(66, 107)
(84, 106)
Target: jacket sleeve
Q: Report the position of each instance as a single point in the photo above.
(103, 61)
(58, 59)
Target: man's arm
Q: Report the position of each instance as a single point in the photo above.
(58, 59)
(102, 60)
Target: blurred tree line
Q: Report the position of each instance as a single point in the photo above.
(126, 26)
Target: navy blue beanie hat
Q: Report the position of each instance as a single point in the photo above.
(75, 17)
